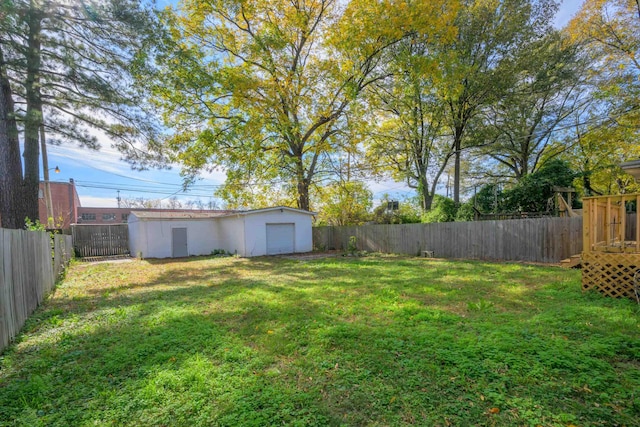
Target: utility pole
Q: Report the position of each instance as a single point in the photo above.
(48, 202)
(118, 199)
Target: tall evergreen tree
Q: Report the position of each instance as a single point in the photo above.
(69, 70)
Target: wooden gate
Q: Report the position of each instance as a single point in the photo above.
(100, 240)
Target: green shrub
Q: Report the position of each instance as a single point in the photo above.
(443, 209)
(352, 246)
(465, 212)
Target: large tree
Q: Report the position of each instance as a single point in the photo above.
(479, 64)
(68, 68)
(407, 120)
(11, 182)
(595, 147)
(611, 30)
(261, 87)
(606, 131)
(526, 124)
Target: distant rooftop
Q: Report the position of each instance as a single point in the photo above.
(632, 168)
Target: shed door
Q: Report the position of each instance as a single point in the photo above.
(280, 238)
(179, 242)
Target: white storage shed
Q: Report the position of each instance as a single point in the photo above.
(269, 231)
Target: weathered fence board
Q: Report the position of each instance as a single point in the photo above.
(63, 252)
(100, 240)
(28, 271)
(533, 239)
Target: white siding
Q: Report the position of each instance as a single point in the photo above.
(230, 230)
(244, 234)
(135, 239)
(152, 238)
(256, 230)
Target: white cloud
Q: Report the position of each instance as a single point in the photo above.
(109, 160)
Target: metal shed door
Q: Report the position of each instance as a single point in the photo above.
(280, 239)
(179, 242)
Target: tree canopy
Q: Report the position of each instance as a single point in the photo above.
(262, 88)
(278, 93)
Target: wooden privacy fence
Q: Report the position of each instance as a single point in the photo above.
(100, 240)
(28, 271)
(535, 240)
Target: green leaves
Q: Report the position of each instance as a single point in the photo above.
(283, 77)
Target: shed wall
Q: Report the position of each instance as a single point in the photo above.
(153, 237)
(137, 240)
(245, 235)
(256, 231)
(230, 230)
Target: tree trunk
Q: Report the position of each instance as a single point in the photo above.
(33, 119)
(456, 173)
(424, 194)
(303, 194)
(586, 182)
(302, 185)
(11, 200)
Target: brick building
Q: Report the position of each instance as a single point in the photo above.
(67, 209)
(65, 202)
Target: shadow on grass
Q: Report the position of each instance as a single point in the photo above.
(356, 342)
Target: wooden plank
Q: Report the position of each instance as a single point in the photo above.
(607, 222)
(586, 231)
(5, 297)
(623, 223)
(594, 223)
(637, 234)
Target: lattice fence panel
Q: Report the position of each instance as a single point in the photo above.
(610, 273)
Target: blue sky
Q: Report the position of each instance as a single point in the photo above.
(100, 174)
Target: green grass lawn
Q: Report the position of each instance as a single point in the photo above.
(335, 341)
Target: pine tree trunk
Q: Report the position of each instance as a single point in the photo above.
(11, 200)
(33, 119)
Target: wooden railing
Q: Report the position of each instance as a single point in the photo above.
(608, 225)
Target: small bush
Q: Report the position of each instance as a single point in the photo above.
(220, 252)
(352, 247)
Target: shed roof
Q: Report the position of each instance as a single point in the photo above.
(177, 215)
(207, 215)
(275, 208)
